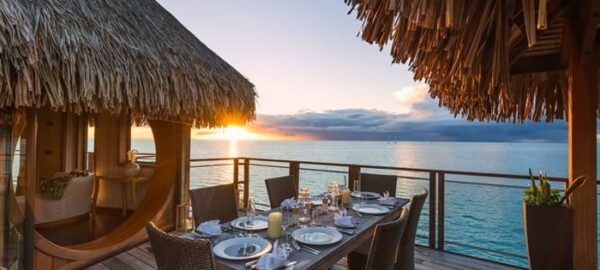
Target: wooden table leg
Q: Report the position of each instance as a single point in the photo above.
(124, 198)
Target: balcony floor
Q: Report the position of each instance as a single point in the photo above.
(140, 257)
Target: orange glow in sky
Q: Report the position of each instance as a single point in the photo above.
(232, 133)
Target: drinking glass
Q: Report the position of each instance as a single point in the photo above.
(357, 191)
(285, 236)
(250, 212)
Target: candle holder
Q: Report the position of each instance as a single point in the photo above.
(334, 191)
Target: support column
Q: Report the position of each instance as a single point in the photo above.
(582, 106)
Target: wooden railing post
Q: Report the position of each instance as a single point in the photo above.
(441, 209)
(353, 175)
(236, 180)
(432, 208)
(246, 181)
(295, 172)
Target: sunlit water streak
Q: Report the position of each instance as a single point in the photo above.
(483, 216)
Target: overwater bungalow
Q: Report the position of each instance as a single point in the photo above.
(68, 65)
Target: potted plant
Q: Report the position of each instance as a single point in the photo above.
(548, 222)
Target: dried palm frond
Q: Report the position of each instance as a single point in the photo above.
(118, 56)
(462, 49)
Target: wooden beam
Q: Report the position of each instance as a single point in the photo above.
(589, 14)
(582, 106)
(535, 64)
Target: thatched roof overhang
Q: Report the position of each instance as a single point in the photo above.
(483, 60)
(119, 56)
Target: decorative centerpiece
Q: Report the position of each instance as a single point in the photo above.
(548, 222)
(334, 191)
(131, 168)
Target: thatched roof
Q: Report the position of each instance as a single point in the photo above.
(120, 56)
(481, 59)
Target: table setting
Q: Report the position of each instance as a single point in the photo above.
(299, 234)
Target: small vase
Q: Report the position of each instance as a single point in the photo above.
(131, 169)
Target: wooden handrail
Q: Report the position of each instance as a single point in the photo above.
(335, 164)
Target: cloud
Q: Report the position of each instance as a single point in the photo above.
(409, 96)
(362, 124)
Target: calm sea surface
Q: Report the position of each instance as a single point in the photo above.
(481, 220)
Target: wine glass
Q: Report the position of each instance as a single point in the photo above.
(250, 212)
(357, 190)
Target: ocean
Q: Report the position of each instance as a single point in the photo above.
(480, 220)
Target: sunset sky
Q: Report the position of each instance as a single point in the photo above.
(317, 80)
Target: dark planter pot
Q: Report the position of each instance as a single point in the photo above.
(549, 236)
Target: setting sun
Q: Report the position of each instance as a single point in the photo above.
(235, 133)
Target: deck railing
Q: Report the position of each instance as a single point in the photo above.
(434, 179)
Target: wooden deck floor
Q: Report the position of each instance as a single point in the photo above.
(140, 258)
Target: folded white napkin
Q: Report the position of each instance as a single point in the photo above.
(210, 227)
(386, 199)
(276, 259)
(288, 203)
(341, 219)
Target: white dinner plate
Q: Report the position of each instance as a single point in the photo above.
(317, 236)
(258, 223)
(365, 195)
(373, 209)
(242, 248)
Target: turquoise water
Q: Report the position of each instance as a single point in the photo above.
(481, 220)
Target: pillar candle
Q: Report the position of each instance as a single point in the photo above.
(274, 230)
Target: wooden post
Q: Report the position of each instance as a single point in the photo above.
(582, 97)
(582, 105)
(31, 162)
(246, 181)
(353, 175)
(184, 162)
(441, 209)
(432, 208)
(295, 172)
(236, 180)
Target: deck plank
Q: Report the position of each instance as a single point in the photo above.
(140, 257)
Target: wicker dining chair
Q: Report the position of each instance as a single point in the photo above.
(406, 251)
(281, 188)
(378, 183)
(217, 202)
(173, 252)
(384, 246)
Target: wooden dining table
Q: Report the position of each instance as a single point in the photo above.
(329, 254)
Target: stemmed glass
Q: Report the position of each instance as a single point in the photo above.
(285, 224)
(250, 212)
(357, 191)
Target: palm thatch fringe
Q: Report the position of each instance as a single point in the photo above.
(462, 49)
(118, 56)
